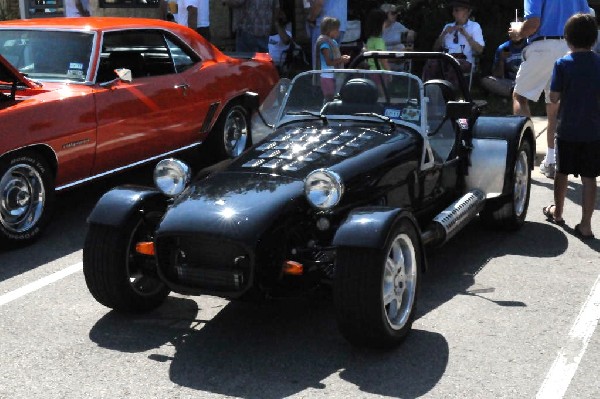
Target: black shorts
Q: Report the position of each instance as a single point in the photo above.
(578, 158)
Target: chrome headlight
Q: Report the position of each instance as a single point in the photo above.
(323, 188)
(171, 176)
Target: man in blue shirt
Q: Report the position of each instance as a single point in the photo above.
(507, 60)
(543, 27)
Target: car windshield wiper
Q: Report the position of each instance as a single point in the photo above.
(317, 115)
(379, 116)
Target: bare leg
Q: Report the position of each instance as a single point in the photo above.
(520, 105)
(560, 191)
(588, 203)
(552, 112)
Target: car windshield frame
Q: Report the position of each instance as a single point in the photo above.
(37, 53)
(401, 94)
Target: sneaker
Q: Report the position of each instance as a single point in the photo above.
(548, 170)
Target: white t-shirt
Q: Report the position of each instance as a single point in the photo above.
(71, 9)
(392, 36)
(277, 46)
(462, 45)
(203, 12)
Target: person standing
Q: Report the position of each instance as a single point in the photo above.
(77, 8)
(198, 16)
(375, 42)
(320, 9)
(576, 83)
(253, 21)
(543, 28)
(330, 56)
(194, 14)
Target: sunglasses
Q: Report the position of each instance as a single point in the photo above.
(455, 40)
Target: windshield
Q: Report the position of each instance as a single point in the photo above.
(353, 93)
(48, 55)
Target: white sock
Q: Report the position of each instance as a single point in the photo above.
(550, 158)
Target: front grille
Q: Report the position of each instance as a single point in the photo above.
(204, 263)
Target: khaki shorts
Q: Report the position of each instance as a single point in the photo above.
(536, 69)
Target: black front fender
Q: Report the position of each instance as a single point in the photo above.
(116, 206)
(369, 227)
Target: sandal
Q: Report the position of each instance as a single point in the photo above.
(582, 236)
(548, 211)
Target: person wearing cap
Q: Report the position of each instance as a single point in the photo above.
(394, 31)
(543, 27)
(463, 39)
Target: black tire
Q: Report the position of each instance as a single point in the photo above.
(375, 290)
(26, 198)
(116, 275)
(509, 212)
(231, 134)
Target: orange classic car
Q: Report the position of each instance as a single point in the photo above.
(81, 98)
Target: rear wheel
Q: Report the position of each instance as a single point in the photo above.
(510, 211)
(231, 134)
(116, 275)
(26, 197)
(375, 290)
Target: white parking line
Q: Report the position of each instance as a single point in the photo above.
(565, 365)
(41, 283)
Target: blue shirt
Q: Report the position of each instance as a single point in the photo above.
(337, 9)
(576, 77)
(553, 14)
(513, 61)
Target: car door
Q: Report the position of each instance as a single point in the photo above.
(149, 116)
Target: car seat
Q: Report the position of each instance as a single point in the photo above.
(358, 95)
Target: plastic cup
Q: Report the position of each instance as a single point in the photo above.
(172, 5)
(516, 25)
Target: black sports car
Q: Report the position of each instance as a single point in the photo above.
(346, 193)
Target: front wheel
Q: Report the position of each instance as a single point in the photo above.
(26, 197)
(231, 134)
(510, 211)
(118, 276)
(375, 290)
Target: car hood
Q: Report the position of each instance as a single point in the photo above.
(9, 74)
(239, 206)
(295, 151)
(245, 197)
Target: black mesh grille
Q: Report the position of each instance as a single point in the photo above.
(206, 263)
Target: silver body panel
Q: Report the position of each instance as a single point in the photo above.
(488, 166)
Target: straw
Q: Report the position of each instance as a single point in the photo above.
(516, 15)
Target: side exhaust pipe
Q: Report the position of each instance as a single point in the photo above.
(446, 224)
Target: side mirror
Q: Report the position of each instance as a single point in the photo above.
(251, 100)
(460, 109)
(124, 74)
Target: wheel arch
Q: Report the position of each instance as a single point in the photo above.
(496, 141)
(116, 206)
(370, 227)
(44, 150)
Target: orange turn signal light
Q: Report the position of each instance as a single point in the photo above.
(145, 248)
(293, 268)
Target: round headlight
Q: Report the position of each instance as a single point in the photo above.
(323, 188)
(171, 176)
